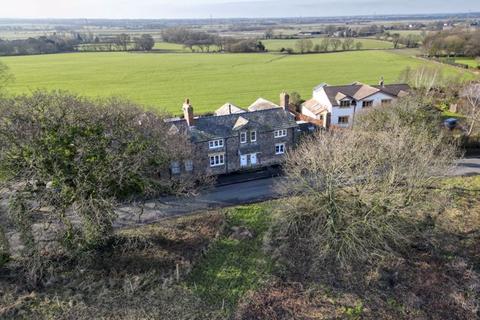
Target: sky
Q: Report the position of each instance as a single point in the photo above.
(170, 9)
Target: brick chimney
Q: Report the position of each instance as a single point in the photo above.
(188, 113)
(284, 100)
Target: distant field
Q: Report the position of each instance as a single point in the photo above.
(170, 47)
(471, 62)
(163, 81)
(278, 44)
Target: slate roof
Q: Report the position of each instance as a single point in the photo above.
(228, 108)
(395, 89)
(214, 127)
(262, 104)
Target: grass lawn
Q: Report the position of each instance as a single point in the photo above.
(278, 44)
(163, 81)
(471, 62)
(233, 267)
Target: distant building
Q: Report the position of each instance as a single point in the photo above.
(337, 105)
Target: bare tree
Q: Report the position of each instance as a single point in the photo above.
(355, 196)
(122, 41)
(335, 43)
(471, 95)
(304, 45)
(424, 77)
(348, 44)
(395, 39)
(325, 44)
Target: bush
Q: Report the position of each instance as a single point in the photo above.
(355, 196)
(76, 158)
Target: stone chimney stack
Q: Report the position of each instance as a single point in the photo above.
(188, 113)
(284, 100)
(382, 82)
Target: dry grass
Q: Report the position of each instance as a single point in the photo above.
(437, 278)
(135, 277)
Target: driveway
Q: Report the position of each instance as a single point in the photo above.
(230, 195)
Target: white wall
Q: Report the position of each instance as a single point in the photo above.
(308, 113)
(336, 111)
(340, 112)
(322, 98)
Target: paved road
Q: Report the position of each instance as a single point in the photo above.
(230, 195)
(467, 167)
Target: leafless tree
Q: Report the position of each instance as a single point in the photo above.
(354, 197)
(471, 96)
(335, 43)
(304, 45)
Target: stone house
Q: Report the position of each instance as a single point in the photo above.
(234, 139)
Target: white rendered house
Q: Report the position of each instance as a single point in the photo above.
(337, 105)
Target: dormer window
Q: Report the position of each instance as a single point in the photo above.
(345, 103)
(280, 133)
(214, 144)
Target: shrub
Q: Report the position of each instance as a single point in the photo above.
(355, 197)
(74, 158)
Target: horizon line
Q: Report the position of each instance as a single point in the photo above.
(374, 15)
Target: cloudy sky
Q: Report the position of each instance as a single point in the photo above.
(224, 8)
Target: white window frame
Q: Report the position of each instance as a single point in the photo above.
(175, 167)
(345, 104)
(253, 136)
(216, 160)
(348, 119)
(188, 165)
(243, 137)
(280, 133)
(366, 102)
(216, 144)
(280, 148)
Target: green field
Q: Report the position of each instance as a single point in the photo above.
(277, 44)
(471, 62)
(163, 81)
(170, 47)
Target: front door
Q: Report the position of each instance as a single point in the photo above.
(253, 159)
(243, 161)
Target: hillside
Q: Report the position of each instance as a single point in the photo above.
(222, 276)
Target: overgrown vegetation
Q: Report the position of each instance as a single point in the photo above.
(75, 42)
(204, 41)
(69, 160)
(457, 42)
(134, 277)
(358, 193)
